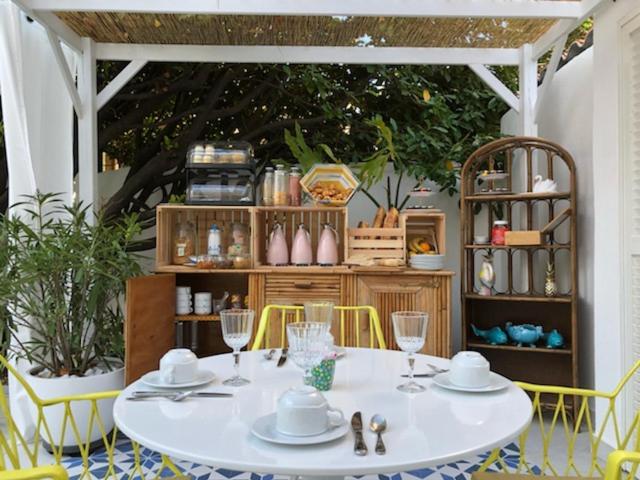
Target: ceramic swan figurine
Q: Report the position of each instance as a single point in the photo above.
(493, 336)
(544, 186)
(525, 334)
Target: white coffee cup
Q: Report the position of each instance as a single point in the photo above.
(303, 411)
(201, 309)
(202, 303)
(183, 291)
(183, 307)
(469, 370)
(179, 365)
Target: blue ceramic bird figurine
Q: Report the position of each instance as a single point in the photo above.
(554, 339)
(493, 336)
(525, 334)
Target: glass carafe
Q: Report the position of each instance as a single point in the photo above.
(184, 241)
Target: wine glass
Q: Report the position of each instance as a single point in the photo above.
(237, 326)
(410, 330)
(320, 311)
(307, 344)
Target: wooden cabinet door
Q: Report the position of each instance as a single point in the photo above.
(149, 327)
(427, 293)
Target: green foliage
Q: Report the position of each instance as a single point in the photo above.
(340, 112)
(63, 279)
(305, 155)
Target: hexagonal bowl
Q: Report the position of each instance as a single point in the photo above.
(330, 176)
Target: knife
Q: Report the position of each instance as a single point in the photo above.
(421, 375)
(144, 394)
(360, 448)
(283, 357)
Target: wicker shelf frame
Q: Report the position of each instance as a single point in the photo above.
(520, 156)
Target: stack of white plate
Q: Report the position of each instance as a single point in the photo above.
(427, 262)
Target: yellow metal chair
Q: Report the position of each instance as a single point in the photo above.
(20, 456)
(53, 472)
(294, 313)
(561, 432)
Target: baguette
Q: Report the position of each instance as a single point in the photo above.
(379, 218)
(363, 224)
(391, 220)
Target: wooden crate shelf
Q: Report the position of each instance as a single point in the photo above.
(364, 244)
(264, 219)
(202, 217)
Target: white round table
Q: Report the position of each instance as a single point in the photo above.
(425, 429)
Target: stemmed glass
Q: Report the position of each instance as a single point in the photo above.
(320, 311)
(410, 330)
(237, 326)
(307, 344)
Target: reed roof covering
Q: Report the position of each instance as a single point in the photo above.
(305, 30)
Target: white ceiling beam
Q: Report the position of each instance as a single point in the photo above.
(563, 27)
(63, 67)
(495, 84)
(49, 20)
(528, 86)
(316, 55)
(552, 68)
(88, 129)
(370, 8)
(115, 85)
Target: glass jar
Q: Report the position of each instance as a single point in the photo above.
(280, 186)
(267, 187)
(184, 241)
(498, 232)
(295, 192)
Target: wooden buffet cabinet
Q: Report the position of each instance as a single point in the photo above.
(151, 321)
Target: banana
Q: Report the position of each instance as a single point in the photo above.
(414, 245)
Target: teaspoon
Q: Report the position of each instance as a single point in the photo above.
(378, 424)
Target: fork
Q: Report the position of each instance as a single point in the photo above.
(436, 368)
(179, 397)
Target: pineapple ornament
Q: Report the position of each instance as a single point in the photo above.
(550, 288)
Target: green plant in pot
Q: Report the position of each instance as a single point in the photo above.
(63, 284)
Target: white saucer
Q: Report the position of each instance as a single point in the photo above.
(496, 382)
(202, 378)
(265, 429)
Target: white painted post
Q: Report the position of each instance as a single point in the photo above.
(528, 79)
(88, 126)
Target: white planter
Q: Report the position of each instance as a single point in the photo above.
(48, 388)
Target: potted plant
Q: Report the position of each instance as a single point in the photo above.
(63, 283)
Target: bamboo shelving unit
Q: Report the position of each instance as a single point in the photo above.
(520, 158)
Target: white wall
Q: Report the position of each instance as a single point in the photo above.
(566, 118)
(607, 193)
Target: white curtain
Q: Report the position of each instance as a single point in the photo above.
(37, 111)
(38, 123)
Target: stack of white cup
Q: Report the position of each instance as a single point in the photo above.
(183, 301)
(202, 303)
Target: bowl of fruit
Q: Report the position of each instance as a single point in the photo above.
(330, 184)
